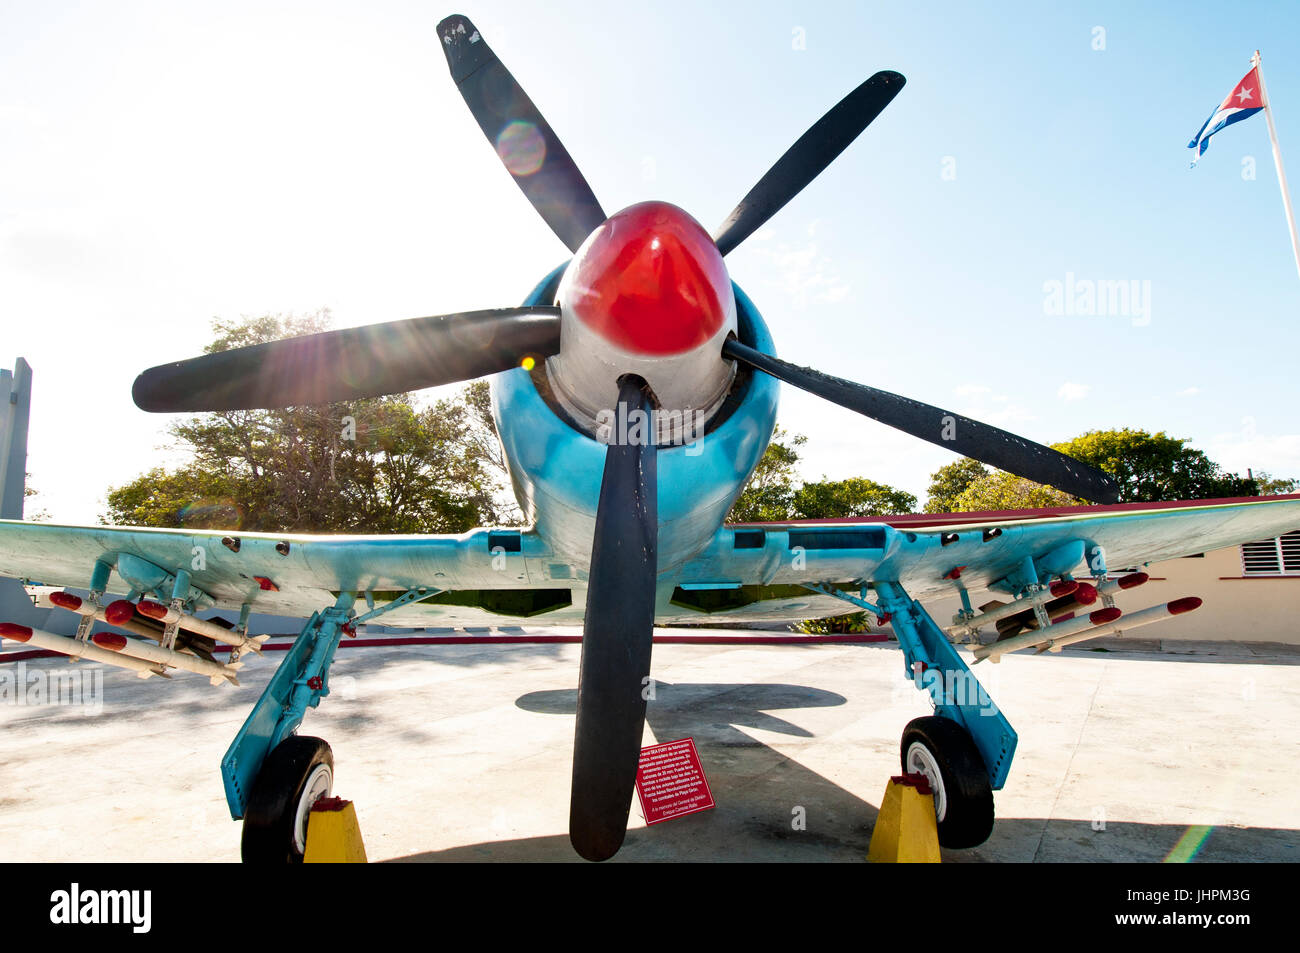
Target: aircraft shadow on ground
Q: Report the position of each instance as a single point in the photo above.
(1286, 655)
(698, 839)
(757, 790)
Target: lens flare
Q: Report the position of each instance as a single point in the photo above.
(211, 514)
(1190, 844)
(521, 147)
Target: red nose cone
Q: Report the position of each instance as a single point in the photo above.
(651, 281)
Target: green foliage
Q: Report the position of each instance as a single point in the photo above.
(764, 504)
(184, 498)
(768, 495)
(268, 327)
(1270, 486)
(844, 499)
(853, 622)
(1153, 467)
(1149, 468)
(1006, 491)
(37, 516)
(378, 465)
(951, 481)
(773, 494)
(484, 445)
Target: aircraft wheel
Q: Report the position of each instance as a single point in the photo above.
(297, 773)
(940, 749)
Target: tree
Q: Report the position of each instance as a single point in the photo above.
(1148, 467)
(768, 495)
(377, 465)
(950, 481)
(485, 443)
(27, 493)
(192, 498)
(774, 495)
(1153, 467)
(1006, 491)
(846, 499)
(1269, 486)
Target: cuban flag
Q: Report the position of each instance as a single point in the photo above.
(1242, 103)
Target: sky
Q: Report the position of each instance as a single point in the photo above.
(165, 164)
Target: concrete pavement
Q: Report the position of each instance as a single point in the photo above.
(462, 753)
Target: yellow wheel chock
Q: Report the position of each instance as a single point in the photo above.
(333, 834)
(906, 831)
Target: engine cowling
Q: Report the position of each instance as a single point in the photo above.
(648, 294)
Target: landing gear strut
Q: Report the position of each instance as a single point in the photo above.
(965, 748)
(272, 776)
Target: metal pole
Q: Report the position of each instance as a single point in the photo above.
(1277, 161)
(16, 396)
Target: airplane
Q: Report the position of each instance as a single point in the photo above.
(634, 392)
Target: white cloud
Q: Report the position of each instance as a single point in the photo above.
(1009, 416)
(1072, 391)
(971, 390)
(803, 273)
(1188, 392)
(1276, 454)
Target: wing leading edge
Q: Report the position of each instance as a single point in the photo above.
(747, 573)
(485, 575)
(776, 560)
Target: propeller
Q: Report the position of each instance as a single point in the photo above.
(523, 139)
(616, 638)
(954, 432)
(353, 362)
(808, 157)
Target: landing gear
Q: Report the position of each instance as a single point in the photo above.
(940, 749)
(294, 776)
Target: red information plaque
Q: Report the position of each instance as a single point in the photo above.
(670, 781)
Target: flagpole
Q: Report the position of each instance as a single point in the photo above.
(1277, 160)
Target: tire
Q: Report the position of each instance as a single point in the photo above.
(294, 775)
(963, 798)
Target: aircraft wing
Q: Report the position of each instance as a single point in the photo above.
(754, 572)
(296, 575)
(748, 573)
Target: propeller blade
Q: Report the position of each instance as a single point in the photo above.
(962, 435)
(352, 363)
(616, 640)
(525, 142)
(805, 160)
